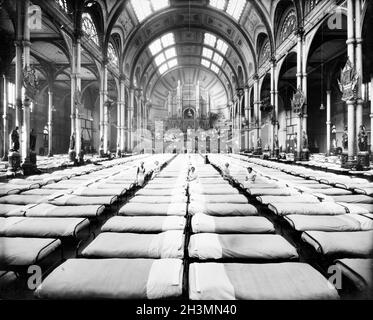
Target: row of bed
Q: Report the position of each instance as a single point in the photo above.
(332, 214)
(46, 219)
(212, 237)
(200, 240)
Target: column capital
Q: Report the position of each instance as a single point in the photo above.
(273, 61)
(299, 32)
(256, 77)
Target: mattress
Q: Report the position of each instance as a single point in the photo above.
(160, 192)
(277, 281)
(212, 190)
(43, 227)
(150, 224)
(169, 244)
(304, 198)
(341, 244)
(49, 210)
(39, 192)
(222, 209)
(324, 208)
(153, 209)
(359, 271)
(367, 190)
(20, 199)
(333, 192)
(356, 198)
(222, 198)
(202, 223)
(11, 210)
(96, 192)
(358, 208)
(159, 199)
(340, 223)
(272, 192)
(25, 251)
(73, 200)
(9, 190)
(114, 279)
(204, 246)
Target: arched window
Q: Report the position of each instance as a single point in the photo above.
(289, 25)
(63, 5)
(265, 53)
(112, 54)
(89, 28)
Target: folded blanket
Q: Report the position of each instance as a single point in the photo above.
(151, 224)
(270, 281)
(153, 209)
(159, 199)
(202, 223)
(161, 192)
(114, 279)
(223, 198)
(264, 247)
(169, 244)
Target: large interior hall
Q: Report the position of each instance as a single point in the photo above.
(186, 150)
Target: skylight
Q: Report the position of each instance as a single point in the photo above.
(235, 8)
(170, 53)
(210, 39)
(218, 4)
(144, 8)
(160, 59)
(164, 51)
(222, 46)
(207, 53)
(214, 68)
(218, 59)
(232, 7)
(156, 47)
(206, 63)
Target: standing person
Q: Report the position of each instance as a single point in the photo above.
(251, 176)
(227, 172)
(192, 175)
(156, 170)
(140, 176)
(207, 161)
